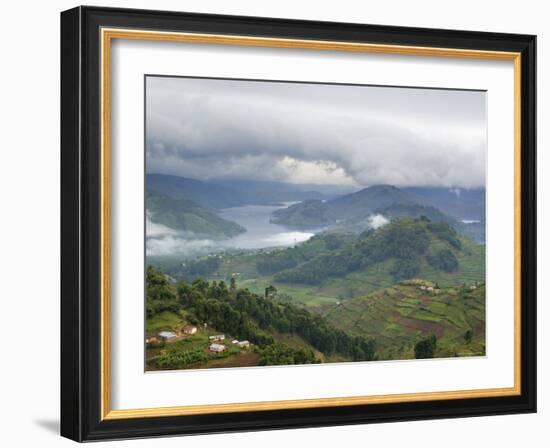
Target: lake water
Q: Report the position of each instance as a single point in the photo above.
(260, 232)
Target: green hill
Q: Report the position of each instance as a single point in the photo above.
(475, 230)
(408, 245)
(399, 316)
(188, 216)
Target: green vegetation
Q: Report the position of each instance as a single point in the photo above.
(444, 260)
(258, 269)
(400, 316)
(405, 241)
(245, 316)
(160, 294)
(425, 348)
(188, 216)
(281, 354)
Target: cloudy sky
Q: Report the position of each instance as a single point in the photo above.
(315, 133)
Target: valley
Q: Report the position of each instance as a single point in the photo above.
(311, 276)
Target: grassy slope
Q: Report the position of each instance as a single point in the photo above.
(399, 315)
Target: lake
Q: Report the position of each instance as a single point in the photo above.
(260, 232)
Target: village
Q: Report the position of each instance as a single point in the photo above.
(214, 344)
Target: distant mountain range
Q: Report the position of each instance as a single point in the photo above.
(325, 205)
(459, 203)
(225, 193)
(188, 216)
(207, 195)
(352, 211)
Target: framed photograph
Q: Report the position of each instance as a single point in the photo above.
(273, 223)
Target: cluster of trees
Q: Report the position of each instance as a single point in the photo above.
(425, 347)
(404, 268)
(160, 294)
(444, 260)
(445, 232)
(249, 316)
(282, 354)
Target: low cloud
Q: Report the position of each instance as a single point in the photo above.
(163, 240)
(170, 245)
(377, 221)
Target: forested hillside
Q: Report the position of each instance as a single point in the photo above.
(409, 244)
(240, 314)
(188, 216)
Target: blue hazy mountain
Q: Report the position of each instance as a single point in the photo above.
(225, 193)
(360, 204)
(460, 203)
(352, 211)
(204, 193)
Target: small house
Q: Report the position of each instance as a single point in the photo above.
(189, 329)
(430, 289)
(167, 335)
(244, 344)
(216, 348)
(217, 337)
(235, 341)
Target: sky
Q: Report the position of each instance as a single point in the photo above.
(305, 133)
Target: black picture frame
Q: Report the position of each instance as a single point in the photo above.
(81, 224)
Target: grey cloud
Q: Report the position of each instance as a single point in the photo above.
(303, 133)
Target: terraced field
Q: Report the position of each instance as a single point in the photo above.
(398, 316)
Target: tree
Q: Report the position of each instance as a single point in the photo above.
(270, 292)
(468, 336)
(444, 260)
(425, 348)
